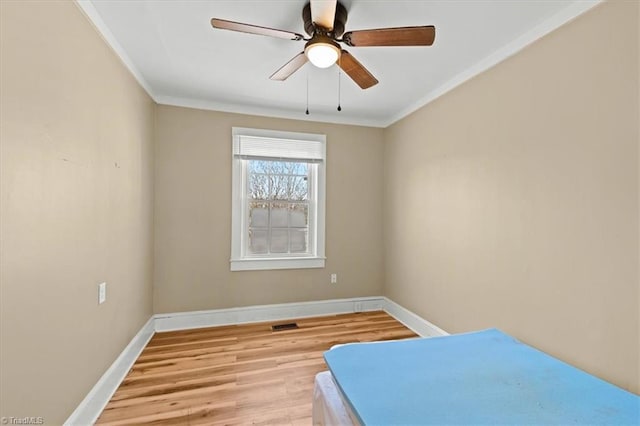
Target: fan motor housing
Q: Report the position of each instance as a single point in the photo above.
(338, 24)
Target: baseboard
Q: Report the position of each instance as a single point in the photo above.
(92, 405)
(412, 321)
(216, 317)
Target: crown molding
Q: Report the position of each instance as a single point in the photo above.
(267, 111)
(86, 6)
(557, 20)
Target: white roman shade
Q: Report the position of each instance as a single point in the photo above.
(310, 148)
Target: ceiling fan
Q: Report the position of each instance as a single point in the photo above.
(324, 22)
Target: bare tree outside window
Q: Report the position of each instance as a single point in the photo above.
(278, 193)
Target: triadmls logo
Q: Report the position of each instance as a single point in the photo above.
(22, 420)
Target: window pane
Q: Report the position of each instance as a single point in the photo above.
(258, 241)
(278, 187)
(258, 187)
(258, 166)
(298, 241)
(279, 241)
(279, 215)
(298, 188)
(277, 180)
(299, 215)
(278, 207)
(259, 215)
(301, 169)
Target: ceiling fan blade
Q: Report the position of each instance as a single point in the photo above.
(290, 67)
(403, 36)
(356, 70)
(323, 13)
(254, 29)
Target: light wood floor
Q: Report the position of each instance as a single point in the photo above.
(238, 375)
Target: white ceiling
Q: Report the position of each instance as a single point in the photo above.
(180, 59)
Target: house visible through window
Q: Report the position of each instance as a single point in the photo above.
(278, 200)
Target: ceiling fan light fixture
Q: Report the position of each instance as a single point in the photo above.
(324, 21)
(322, 52)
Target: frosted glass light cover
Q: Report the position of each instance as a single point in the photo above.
(322, 55)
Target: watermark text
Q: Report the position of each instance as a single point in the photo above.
(22, 420)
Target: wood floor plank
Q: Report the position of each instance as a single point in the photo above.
(238, 374)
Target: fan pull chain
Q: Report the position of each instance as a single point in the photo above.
(307, 111)
(339, 75)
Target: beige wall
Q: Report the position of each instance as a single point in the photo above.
(76, 208)
(193, 215)
(512, 201)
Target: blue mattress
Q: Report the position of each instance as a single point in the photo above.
(486, 377)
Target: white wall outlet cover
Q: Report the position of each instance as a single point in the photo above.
(334, 278)
(102, 293)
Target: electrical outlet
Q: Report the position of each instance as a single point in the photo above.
(357, 307)
(102, 293)
(334, 278)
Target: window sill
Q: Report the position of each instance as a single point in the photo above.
(277, 263)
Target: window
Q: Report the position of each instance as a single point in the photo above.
(278, 200)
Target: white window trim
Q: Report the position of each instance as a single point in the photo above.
(238, 214)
